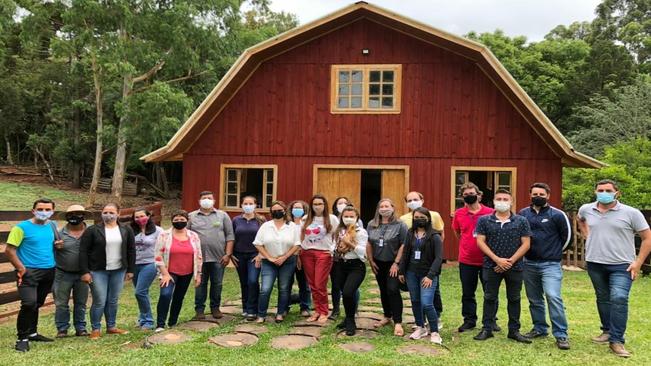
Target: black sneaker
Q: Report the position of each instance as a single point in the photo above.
(40, 338)
(563, 343)
(22, 345)
(466, 326)
(535, 334)
(496, 328)
(483, 335)
(350, 327)
(334, 315)
(518, 337)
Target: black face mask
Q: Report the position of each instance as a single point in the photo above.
(420, 223)
(178, 225)
(75, 219)
(470, 199)
(278, 214)
(539, 201)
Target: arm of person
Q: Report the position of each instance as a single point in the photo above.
(456, 227)
(525, 244)
(437, 224)
(404, 258)
(362, 239)
(584, 230)
(131, 253)
(229, 234)
(160, 263)
(14, 240)
(502, 263)
(263, 251)
(393, 271)
(369, 256)
(85, 243)
(642, 227)
(435, 268)
(563, 227)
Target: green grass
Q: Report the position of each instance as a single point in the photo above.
(578, 295)
(19, 196)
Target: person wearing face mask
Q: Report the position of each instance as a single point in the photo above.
(304, 297)
(609, 227)
(316, 254)
(179, 258)
(30, 250)
(543, 274)
(215, 229)
(349, 268)
(420, 268)
(504, 238)
(471, 258)
(277, 241)
(67, 277)
(107, 257)
(146, 233)
(246, 257)
(386, 236)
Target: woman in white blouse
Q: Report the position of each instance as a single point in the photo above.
(349, 269)
(277, 241)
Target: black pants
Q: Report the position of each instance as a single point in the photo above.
(438, 303)
(348, 276)
(470, 277)
(174, 292)
(33, 290)
(492, 281)
(389, 292)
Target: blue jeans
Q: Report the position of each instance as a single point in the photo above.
(173, 293)
(545, 278)
(612, 284)
(422, 300)
(143, 276)
(214, 272)
(284, 274)
(105, 288)
(249, 284)
(64, 283)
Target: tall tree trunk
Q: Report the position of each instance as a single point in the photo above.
(76, 163)
(121, 148)
(10, 159)
(97, 166)
(163, 179)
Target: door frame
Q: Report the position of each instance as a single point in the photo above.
(316, 167)
(453, 170)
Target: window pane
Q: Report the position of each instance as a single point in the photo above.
(504, 179)
(231, 200)
(270, 176)
(232, 174)
(268, 201)
(374, 102)
(387, 89)
(375, 76)
(356, 102)
(461, 177)
(357, 75)
(344, 89)
(232, 188)
(374, 89)
(387, 76)
(387, 102)
(344, 76)
(343, 103)
(356, 89)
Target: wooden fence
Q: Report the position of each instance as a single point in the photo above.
(8, 290)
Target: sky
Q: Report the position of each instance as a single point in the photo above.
(531, 18)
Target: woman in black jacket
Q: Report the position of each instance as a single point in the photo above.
(107, 257)
(420, 267)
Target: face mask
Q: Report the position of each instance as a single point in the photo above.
(278, 214)
(142, 221)
(341, 206)
(470, 199)
(108, 218)
(298, 212)
(248, 208)
(318, 210)
(180, 225)
(385, 212)
(502, 206)
(349, 221)
(605, 197)
(206, 203)
(539, 201)
(420, 223)
(75, 219)
(43, 215)
(414, 204)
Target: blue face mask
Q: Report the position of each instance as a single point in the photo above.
(605, 197)
(298, 212)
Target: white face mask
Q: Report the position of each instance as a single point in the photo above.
(502, 206)
(206, 203)
(414, 204)
(248, 208)
(341, 206)
(385, 212)
(348, 221)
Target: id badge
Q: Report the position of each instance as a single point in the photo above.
(417, 255)
(381, 242)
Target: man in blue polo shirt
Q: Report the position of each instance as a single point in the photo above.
(30, 250)
(543, 274)
(504, 239)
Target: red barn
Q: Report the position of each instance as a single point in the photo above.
(367, 104)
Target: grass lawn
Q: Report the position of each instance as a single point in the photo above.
(125, 350)
(19, 196)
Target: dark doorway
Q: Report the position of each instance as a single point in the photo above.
(370, 193)
(484, 180)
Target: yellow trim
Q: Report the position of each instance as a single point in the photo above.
(366, 69)
(222, 187)
(453, 172)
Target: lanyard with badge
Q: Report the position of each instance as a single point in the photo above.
(417, 244)
(382, 234)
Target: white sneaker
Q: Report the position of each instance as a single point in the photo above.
(436, 338)
(419, 333)
(158, 330)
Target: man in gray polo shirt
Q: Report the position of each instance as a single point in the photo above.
(610, 228)
(215, 230)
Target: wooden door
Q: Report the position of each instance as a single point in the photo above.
(333, 183)
(394, 187)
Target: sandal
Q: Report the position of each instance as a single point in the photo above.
(312, 318)
(322, 319)
(398, 331)
(279, 318)
(382, 323)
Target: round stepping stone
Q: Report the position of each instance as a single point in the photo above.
(225, 319)
(370, 315)
(419, 349)
(357, 347)
(251, 328)
(305, 323)
(199, 326)
(308, 331)
(168, 337)
(231, 303)
(365, 323)
(376, 309)
(232, 310)
(362, 333)
(293, 342)
(234, 340)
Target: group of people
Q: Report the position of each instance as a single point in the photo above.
(312, 243)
